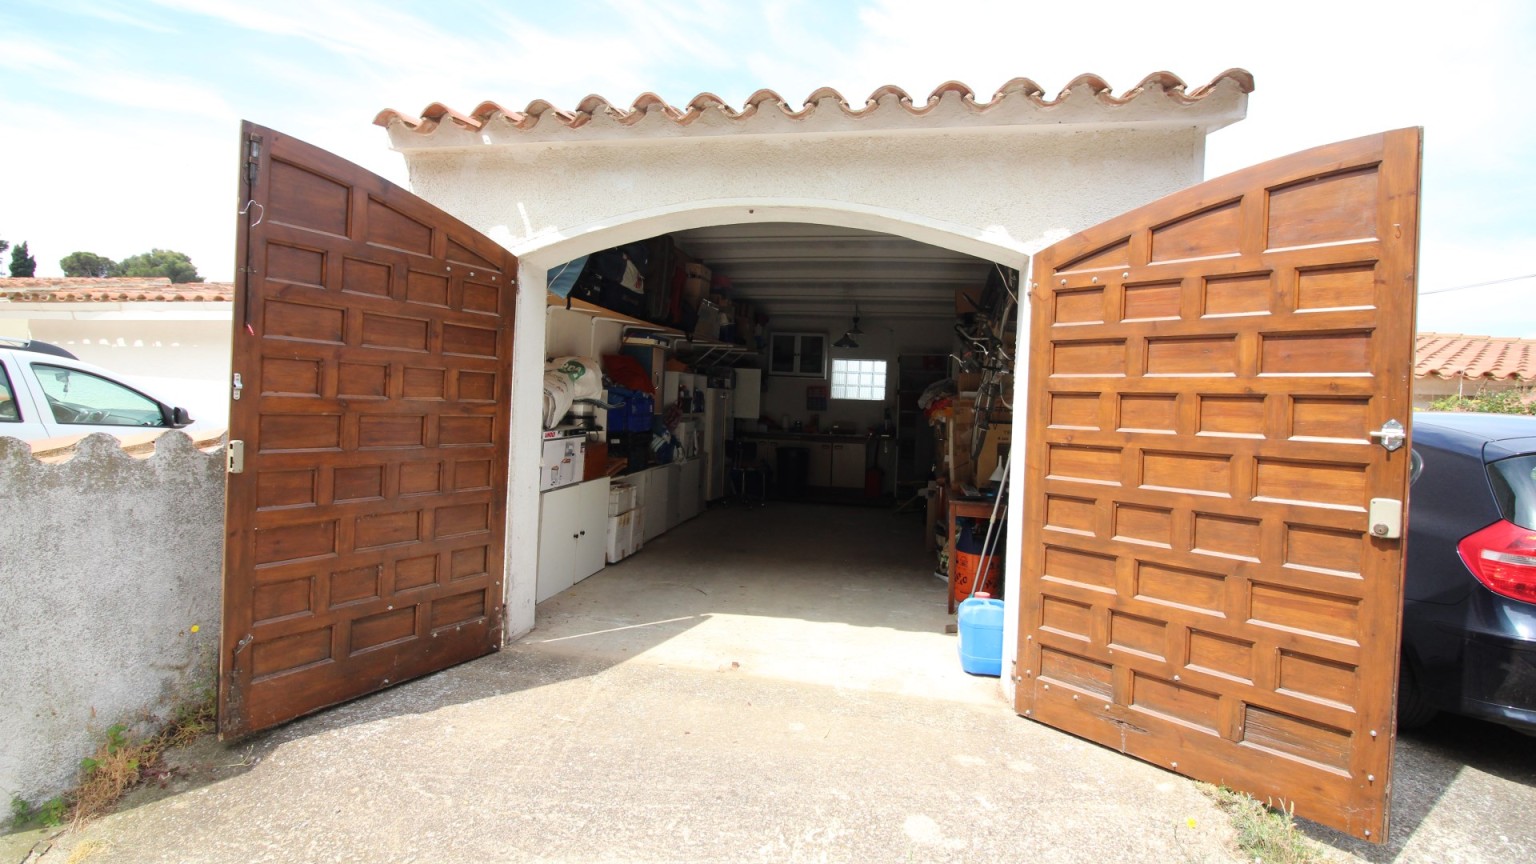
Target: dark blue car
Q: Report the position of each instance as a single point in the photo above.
(1469, 612)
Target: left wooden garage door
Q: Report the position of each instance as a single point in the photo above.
(372, 363)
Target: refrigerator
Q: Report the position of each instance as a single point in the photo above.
(717, 430)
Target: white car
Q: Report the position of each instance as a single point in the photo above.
(46, 392)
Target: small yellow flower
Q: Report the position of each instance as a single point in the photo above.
(195, 628)
(1190, 821)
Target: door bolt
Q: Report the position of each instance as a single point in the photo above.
(1367, 832)
(1370, 778)
(1027, 712)
(1074, 697)
(1063, 282)
(1095, 280)
(1175, 677)
(1174, 764)
(1106, 706)
(1047, 686)
(1125, 275)
(386, 680)
(1373, 733)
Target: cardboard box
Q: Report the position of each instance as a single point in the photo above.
(993, 450)
(695, 290)
(708, 328)
(622, 497)
(621, 536)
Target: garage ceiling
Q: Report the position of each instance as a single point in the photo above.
(793, 270)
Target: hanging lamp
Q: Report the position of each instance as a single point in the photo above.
(847, 340)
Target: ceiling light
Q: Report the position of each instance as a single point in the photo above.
(854, 330)
(847, 341)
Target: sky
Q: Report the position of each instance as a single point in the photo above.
(123, 116)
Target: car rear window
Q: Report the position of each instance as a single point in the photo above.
(1514, 486)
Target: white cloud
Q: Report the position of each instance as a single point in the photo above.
(25, 55)
(127, 151)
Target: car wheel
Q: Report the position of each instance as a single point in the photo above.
(1413, 709)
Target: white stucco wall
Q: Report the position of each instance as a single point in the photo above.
(983, 192)
(107, 562)
(178, 356)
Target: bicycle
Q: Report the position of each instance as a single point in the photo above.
(985, 337)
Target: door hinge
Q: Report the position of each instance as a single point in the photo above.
(235, 453)
(252, 157)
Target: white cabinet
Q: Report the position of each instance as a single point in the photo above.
(802, 355)
(572, 535)
(674, 481)
(848, 465)
(749, 394)
(654, 494)
(836, 465)
(690, 493)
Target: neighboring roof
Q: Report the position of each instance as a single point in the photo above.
(123, 289)
(1452, 355)
(1159, 99)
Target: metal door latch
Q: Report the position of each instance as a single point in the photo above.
(235, 453)
(1392, 435)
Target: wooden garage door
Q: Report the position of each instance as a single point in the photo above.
(372, 351)
(1201, 588)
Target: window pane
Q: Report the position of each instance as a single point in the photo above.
(77, 397)
(858, 379)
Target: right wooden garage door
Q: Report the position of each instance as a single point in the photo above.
(1204, 585)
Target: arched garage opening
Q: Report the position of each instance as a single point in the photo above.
(835, 575)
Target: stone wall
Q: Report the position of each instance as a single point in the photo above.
(110, 586)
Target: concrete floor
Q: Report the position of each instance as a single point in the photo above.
(765, 685)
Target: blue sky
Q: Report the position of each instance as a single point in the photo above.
(122, 116)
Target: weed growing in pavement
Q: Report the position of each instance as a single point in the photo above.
(118, 764)
(49, 814)
(1265, 835)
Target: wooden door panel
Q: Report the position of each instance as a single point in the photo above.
(366, 531)
(1200, 587)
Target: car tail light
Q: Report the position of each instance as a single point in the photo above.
(1503, 557)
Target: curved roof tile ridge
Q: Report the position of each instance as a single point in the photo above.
(595, 105)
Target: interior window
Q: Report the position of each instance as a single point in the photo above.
(10, 412)
(858, 379)
(80, 398)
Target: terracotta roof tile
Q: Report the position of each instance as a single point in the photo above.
(488, 114)
(1452, 355)
(124, 289)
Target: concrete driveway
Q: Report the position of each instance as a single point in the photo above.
(692, 705)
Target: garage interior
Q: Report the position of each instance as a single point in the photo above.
(806, 504)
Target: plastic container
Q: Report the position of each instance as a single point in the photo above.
(970, 535)
(981, 635)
